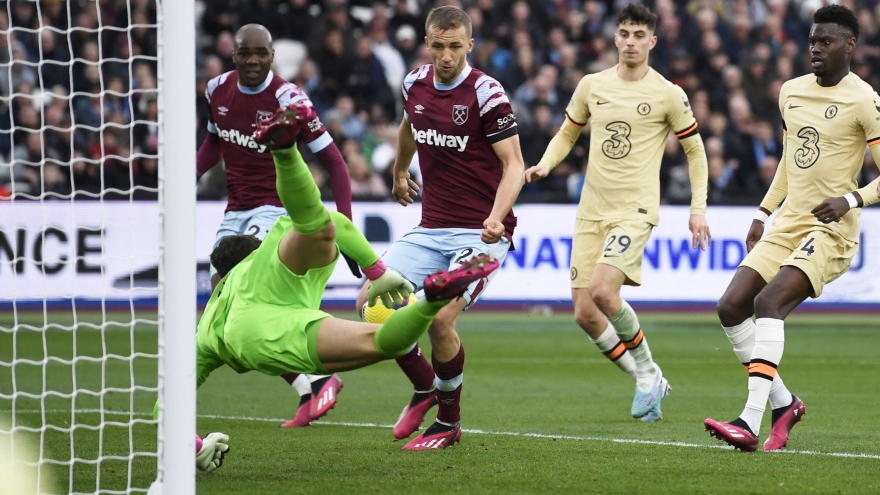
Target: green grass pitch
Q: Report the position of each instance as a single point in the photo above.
(543, 412)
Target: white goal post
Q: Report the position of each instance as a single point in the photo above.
(177, 268)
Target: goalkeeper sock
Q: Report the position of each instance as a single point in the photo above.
(742, 338)
(613, 349)
(630, 333)
(352, 242)
(404, 327)
(298, 192)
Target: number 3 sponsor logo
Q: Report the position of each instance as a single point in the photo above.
(618, 145)
(808, 153)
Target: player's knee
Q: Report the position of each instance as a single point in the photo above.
(605, 299)
(442, 327)
(588, 320)
(766, 304)
(730, 311)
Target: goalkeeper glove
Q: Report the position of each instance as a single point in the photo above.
(211, 450)
(387, 285)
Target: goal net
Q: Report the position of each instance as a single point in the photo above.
(97, 257)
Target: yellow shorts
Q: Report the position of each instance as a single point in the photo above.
(821, 255)
(619, 243)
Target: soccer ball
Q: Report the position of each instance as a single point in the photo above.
(379, 313)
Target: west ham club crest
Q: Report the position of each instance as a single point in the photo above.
(459, 114)
(263, 115)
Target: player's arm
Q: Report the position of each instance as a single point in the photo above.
(510, 154)
(209, 153)
(321, 144)
(576, 115)
(404, 189)
(556, 151)
(680, 117)
(775, 194)
(385, 284)
(698, 171)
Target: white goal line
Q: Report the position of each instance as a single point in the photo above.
(847, 455)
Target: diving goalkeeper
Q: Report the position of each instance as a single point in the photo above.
(263, 315)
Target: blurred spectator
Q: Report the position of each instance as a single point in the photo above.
(366, 81)
(91, 93)
(365, 183)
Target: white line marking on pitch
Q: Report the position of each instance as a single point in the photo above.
(487, 432)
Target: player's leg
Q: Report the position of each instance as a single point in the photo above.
(737, 305)
(587, 246)
(447, 351)
(343, 345)
(420, 373)
(783, 293)
(621, 263)
(414, 257)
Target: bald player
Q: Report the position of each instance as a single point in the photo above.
(631, 109)
(828, 117)
(237, 101)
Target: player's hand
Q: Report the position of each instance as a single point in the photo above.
(831, 209)
(536, 172)
(492, 231)
(391, 287)
(754, 235)
(405, 190)
(700, 230)
(215, 446)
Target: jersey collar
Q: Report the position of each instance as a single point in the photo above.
(252, 91)
(458, 80)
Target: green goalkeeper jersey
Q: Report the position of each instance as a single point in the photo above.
(257, 316)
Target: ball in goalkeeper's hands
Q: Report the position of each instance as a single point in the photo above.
(379, 313)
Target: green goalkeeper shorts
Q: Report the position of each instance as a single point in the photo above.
(273, 317)
(275, 340)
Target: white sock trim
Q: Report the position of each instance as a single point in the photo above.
(769, 330)
(302, 385)
(448, 385)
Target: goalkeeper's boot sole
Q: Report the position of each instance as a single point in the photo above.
(782, 425)
(281, 130)
(325, 399)
(738, 438)
(453, 283)
(303, 416)
(413, 414)
(435, 437)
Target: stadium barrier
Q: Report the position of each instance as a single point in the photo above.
(101, 256)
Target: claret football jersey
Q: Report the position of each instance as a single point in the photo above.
(454, 126)
(234, 111)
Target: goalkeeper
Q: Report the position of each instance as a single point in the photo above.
(263, 315)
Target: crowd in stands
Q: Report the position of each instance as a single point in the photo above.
(78, 107)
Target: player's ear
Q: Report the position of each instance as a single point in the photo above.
(470, 45)
(653, 42)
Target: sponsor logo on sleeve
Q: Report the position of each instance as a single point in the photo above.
(506, 121)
